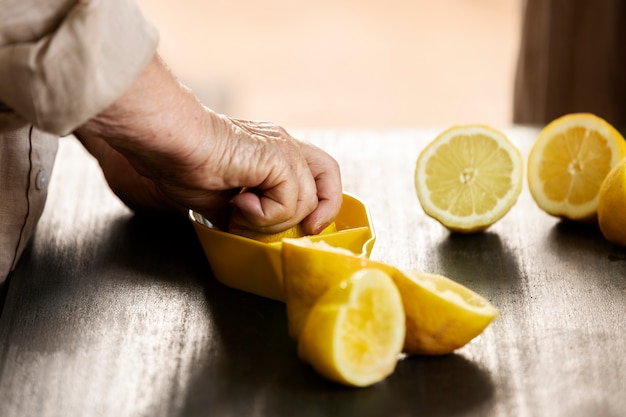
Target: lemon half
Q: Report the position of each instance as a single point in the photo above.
(568, 162)
(293, 232)
(468, 177)
(442, 315)
(355, 331)
(612, 205)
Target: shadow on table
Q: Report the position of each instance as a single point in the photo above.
(480, 261)
(572, 239)
(584, 256)
(62, 274)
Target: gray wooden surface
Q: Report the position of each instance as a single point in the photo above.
(108, 314)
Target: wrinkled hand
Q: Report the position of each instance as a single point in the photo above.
(160, 149)
(286, 180)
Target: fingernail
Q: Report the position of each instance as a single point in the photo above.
(320, 228)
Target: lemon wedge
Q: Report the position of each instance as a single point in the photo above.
(355, 331)
(442, 315)
(612, 205)
(568, 162)
(309, 270)
(468, 177)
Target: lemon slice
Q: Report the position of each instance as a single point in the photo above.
(568, 162)
(355, 331)
(441, 315)
(612, 205)
(468, 177)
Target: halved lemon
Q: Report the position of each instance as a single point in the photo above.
(568, 162)
(293, 232)
(309, 270)
(612, 205)
(355, 331)
(441, 315)
(468, 177)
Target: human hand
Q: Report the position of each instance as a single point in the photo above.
(161, 149)
(284, 181)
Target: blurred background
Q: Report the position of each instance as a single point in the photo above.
(346, 63)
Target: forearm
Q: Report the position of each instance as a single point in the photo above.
(156, 123)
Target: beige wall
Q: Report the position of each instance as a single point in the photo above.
(345, 63)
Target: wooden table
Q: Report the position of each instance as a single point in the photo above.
(112, 315)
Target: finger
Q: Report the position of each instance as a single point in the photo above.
(268, 206)
(278, 208)
(327, 175)
(262, 208)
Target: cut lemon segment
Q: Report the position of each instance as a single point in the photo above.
(612, 205)
(309, 270)
(355, 331)
(468, 177)
(568, 162)
(441, 315)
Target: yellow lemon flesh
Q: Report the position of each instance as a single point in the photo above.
(293, 232)
(568, 162)
(458, 314)
(442, 315)
(468, 177)
(355, 330)
(612, 205)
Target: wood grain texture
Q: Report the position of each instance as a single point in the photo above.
(109, 314)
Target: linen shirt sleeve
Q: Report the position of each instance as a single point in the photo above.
(26, 161)
(69, 62)
(61, 63)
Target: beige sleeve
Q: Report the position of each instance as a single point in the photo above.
(26, 161)
(74, 67)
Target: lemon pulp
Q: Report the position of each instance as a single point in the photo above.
(355, 331)
(468, 177)
(568, 163)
